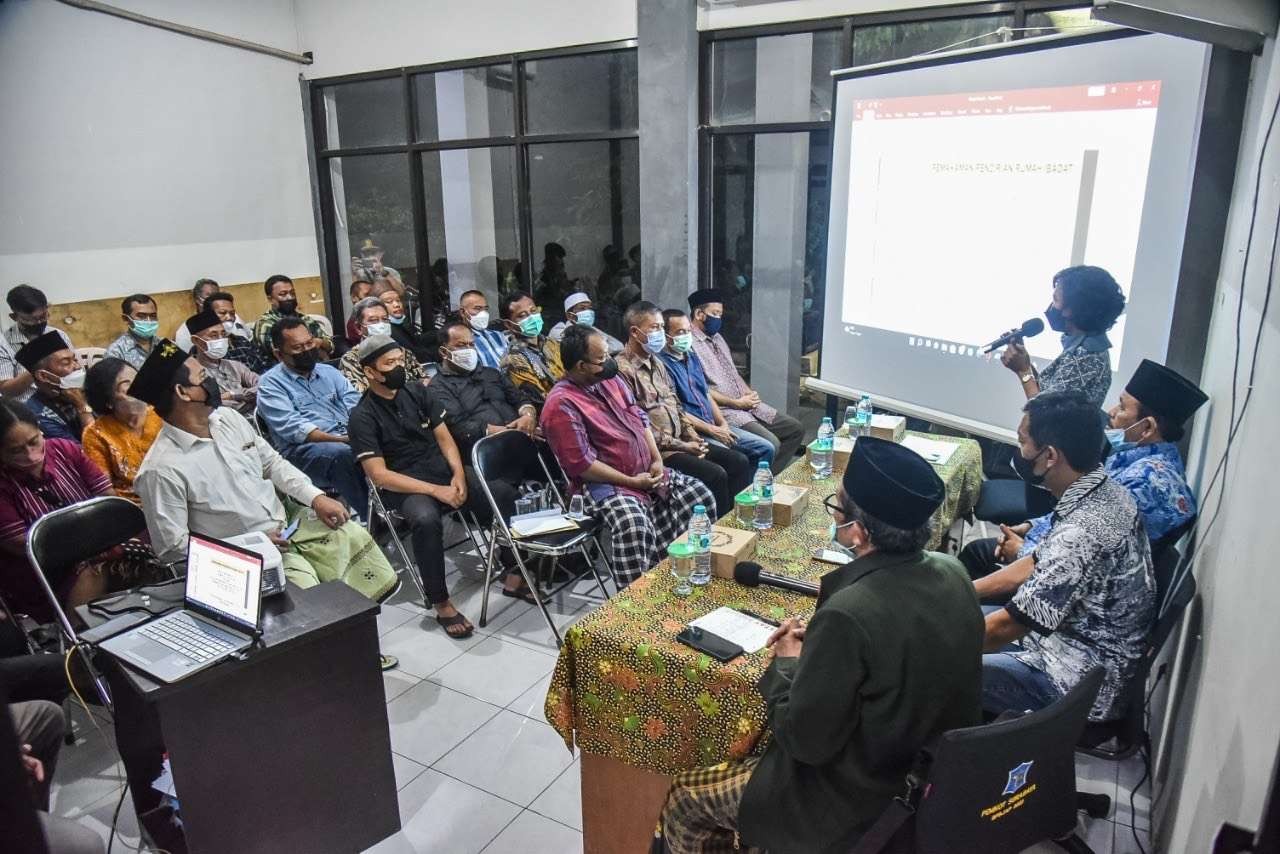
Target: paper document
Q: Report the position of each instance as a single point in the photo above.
(537, 526)
(932, 450)
(736, 627)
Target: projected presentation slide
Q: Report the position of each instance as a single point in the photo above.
(1010, 186)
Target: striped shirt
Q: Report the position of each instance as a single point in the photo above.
(491, 346)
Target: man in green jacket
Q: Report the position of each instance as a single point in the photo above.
(891, 658)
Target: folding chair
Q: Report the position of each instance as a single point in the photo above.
(507, 452)
(61, 539)
(992, 789)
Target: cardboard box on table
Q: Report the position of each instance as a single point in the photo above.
(840, 451)
(891, 428)
(729, 547)
(789, 503)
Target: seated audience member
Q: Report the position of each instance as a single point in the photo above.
(242, 347)
(724, 470)
(601, 437)
(476, 401)
(209, 471)
(141, 317)
(1144, 459)
(1085, 595)
(1086, 303)
(579, 310)
(403, 330)
(400, 438)
(305, 404)
(29, 311)
(853, 696)
(370, 316)
(239, 385)
(284, 303)
(690, 380)
(58, 402)
(40, 726)
(200, 293)
(125, 429)
(741, 405)
(361, 289)
(491, 344)
(532, 361)
(38, 476)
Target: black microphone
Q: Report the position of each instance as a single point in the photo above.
(1030, 329)
(749, 574)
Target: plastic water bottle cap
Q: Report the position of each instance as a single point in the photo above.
(698, 508)
(762, 465)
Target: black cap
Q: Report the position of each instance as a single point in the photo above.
(704, 296)
(206, 319)
(892, 483)
(154, 382)
(30, 354)
(1165, 392)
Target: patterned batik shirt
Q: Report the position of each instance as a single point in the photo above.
(1091, 598)
(1084, 365)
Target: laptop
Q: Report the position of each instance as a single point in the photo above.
(221, 615)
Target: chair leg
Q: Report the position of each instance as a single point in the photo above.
(595, 570)
(488, 578)
(542, 605)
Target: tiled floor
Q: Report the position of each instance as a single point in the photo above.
(477, 767)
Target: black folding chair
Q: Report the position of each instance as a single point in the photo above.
(508, 453)
(61, 539)
(992, 789)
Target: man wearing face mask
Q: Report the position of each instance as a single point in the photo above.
(533, 360)
(211, 345)
(141, 316)
(209, 471)
(601, 438)
(491, 344)
(241, 348)
(857, 692)
(59, 402)
(579, 310)
(1144, 425)
(740, 404)
(306, 405)
(371, 318)
(1085, 595)
(29, 311)
(284, 303)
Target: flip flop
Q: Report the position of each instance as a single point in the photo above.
(456, 620)
(523, 593)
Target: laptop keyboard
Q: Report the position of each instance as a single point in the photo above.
(188, 637)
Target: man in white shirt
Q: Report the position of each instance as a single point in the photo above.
(209, 471)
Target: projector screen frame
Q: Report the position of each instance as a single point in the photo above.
(902, 407)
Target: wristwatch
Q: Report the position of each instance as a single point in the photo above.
(1027, 377)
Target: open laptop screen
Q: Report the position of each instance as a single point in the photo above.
(224, 580)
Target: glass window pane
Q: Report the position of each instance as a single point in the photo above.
(594, 91)
(370, 112)
(1073, 21)
(472, 232)
(373, 216)
(585, 207)
(773, 79)
(466, 103)
(899, 41)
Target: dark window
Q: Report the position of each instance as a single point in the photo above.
(370, 112)
(578, 94)
(372, 212)
(465, 103)
(784, 78)
(899, 41)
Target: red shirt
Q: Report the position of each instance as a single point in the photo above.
(603, 423)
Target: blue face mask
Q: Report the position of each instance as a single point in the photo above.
(741, 282)
(656, 341)
(712, 324)
(836, 544)
(586, 317)
(1117, 438)
(145, 328)
(808, 303)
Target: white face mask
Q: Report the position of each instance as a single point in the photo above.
(479, 321)
(466, 359)
(229, 327)
(217, 348)
(382, 328)
(75, 379)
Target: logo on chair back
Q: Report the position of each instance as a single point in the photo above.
(1017, 778)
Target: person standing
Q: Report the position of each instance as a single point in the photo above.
(142, 318)
(741, 405)
(29, 311)
(284, 303)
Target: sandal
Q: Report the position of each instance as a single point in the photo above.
(523, 593)
(456, 620)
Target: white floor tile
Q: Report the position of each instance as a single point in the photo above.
(529, 628)
(532, 834)
(532, 702)
(87, 772)
(439, 813)
(406, 770)
(1131, 771)
(396, 682)
(495, 671)
(392, 617)
(97, 817)
(511, 756)
(562, 800)
(428, 721)
(423, 647)
(1096, 776)
(1124, 842)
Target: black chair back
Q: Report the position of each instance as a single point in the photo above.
(61, 539)
(511, 456)
(1005, 786)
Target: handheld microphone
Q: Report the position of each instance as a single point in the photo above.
(749, 574)
(1030, 329)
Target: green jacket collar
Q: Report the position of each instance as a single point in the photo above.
(856, 570)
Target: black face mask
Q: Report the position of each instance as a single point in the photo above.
(306, 361)
(289, 306)
(608, 370)
(395, 378)
(1026, 468)
(33, 331)
(1057, 320)
(212, 393)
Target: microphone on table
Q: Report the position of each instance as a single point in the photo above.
(749, 574)
(1030, 329)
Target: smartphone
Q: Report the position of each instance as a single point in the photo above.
(831, 556)
(712, 644)
(291, 528)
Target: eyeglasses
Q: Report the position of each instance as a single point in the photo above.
(832, 505)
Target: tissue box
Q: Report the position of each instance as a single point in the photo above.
(840, 452)
(890, 427)
(729, 547)
(789, 503)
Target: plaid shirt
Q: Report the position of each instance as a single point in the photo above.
(723, 375)
(10, 343)
(656, 394)
(602, 423)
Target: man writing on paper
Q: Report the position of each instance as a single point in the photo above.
(853, 696)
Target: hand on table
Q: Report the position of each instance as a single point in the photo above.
(788, 639)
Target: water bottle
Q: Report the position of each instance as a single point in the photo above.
(762, 489)
(820, 458)
(700, 540)
(864, 416)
